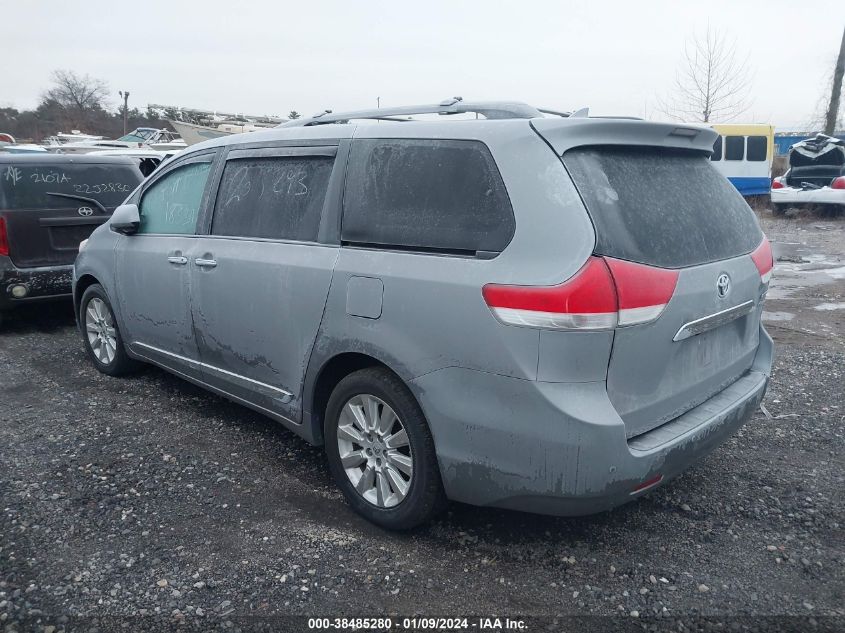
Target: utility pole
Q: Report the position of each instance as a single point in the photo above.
(378, 102)
(836, 93)
(125, 96)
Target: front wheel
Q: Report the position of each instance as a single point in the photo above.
(100, 334)
(381, 452)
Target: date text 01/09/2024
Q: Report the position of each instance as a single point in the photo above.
(417, 623)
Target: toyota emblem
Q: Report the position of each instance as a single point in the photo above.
(85, 211)
(723, 285)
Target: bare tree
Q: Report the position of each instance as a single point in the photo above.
(832, 114)
(77, 96)
(818, 119)
(712, 83)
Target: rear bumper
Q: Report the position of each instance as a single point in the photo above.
(47, 282)
(825, 195)
(560, 448)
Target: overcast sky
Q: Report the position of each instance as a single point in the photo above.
(271, 57)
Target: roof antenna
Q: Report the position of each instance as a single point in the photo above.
(583, 113)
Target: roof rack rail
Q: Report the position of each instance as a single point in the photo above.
(455, 105)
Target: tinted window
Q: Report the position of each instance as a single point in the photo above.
(717, 149)
(29, 186)
(172, 203)
(734, 147)
(663, 207)
(756, 148)
(426, 194)
(276, 198)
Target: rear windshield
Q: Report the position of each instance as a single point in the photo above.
(29, 186)
(663, 207)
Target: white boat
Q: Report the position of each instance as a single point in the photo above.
(142, 137)
(193, 133)
(20, 148)
(75, 136)
(9, 145)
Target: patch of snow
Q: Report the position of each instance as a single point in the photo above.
(778, 316)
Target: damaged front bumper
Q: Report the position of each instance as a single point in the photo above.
(24, 285)
(561, 448)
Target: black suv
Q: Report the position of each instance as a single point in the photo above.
(48, 205)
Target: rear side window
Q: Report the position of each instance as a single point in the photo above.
(662, 207)
(756, 149)
(274, 198)
(31, 186)
(717, 150)
(426, 195)
(171, 204)
(734, 147)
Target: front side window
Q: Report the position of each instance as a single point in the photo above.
(427, 195)
(734, 147)
(273, 198)
(171, 204)
(756, 148)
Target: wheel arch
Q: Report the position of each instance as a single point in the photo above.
(82, 284)
(325, 379)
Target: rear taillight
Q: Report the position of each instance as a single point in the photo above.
(838, 183)
(4, 238)
(643, 291)
(778, 183)
(762, 256)
(606, 293)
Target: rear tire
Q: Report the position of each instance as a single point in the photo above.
(779, 209)
(101, 336)
(386, 447)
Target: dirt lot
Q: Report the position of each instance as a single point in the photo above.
(154, 502)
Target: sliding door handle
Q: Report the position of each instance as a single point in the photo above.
(178, 260)
(205, 263)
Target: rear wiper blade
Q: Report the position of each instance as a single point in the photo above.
(73, 196)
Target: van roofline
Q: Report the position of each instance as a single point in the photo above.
(578, 127)
(455, 105)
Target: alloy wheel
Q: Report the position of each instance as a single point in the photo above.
(100, 329)
(375, 451)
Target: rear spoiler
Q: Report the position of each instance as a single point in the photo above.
(564, 134)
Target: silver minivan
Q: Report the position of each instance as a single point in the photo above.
(526, 310)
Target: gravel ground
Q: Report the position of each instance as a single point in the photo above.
(154, 502)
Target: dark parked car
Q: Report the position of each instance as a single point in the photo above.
(48, 205)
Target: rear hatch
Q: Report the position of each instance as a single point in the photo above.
(668, 208)
(816, 162)
(49, 208)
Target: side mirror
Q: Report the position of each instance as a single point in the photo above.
(126, 219)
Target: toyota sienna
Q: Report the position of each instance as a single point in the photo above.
(525, 310)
